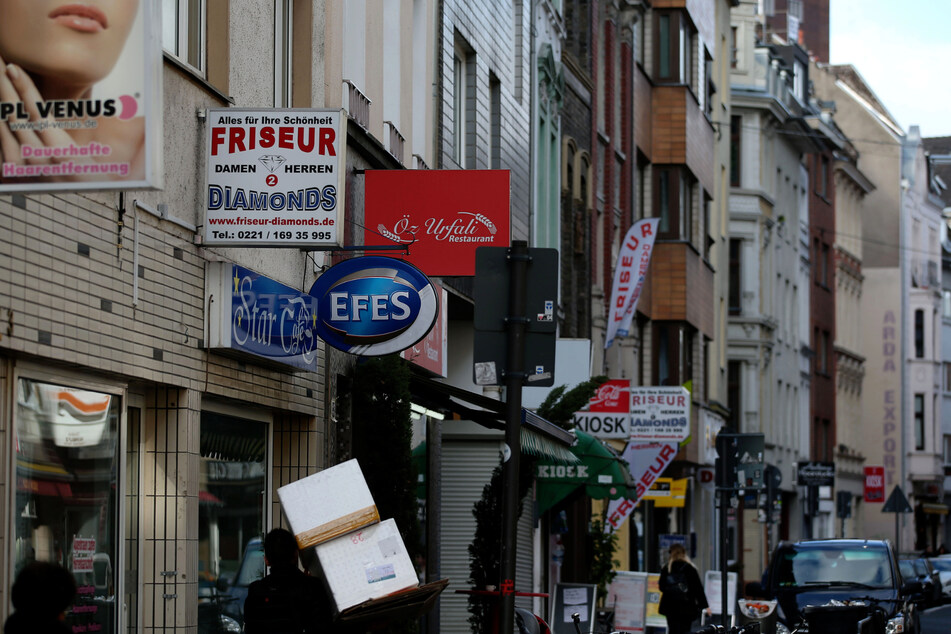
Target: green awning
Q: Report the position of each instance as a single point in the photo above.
(601, 472)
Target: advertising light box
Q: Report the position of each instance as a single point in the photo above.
(441, 216)
(276, 178)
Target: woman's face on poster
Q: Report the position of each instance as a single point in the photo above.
(75, 42)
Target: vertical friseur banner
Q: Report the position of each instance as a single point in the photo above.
(646, 461)
(629, 274)
(80, 96)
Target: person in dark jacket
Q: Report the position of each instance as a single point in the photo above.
(288, 600)
(41, 594)
(682, 597)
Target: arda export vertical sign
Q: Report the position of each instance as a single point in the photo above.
(275, 177)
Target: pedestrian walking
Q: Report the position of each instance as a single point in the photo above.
(682, 597)
(288, 600)
(41, 594)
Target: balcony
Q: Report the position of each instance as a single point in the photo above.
(358, 106)
(394, 141)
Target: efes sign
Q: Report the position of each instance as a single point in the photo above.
(374, 305)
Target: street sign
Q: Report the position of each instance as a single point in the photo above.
(492, 317)
(815, 474)
(897, 502)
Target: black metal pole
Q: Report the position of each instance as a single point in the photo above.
(517, 323)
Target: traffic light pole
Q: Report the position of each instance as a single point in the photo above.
(516, 326)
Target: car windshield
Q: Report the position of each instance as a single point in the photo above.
(834, 564)
(942, 565)
(252, 568)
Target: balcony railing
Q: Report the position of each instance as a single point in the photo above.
(395, 140)
(358, 106)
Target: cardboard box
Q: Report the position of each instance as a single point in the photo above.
(328, 504)
(366, 564)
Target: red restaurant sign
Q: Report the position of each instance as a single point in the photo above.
(441, 215)
(874, 484)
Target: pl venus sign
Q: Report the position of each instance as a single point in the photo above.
(374, 305)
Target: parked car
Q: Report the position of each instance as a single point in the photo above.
(920, 568)
(942, 564)
(251, 569)
(831, 584)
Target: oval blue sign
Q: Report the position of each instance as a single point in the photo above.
(374, 305)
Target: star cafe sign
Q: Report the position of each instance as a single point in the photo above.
(369, 306)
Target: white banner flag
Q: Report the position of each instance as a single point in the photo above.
(647, 461)
(629, 274)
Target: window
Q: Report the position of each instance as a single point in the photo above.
(283, 52)
(183, 31)
(824, 263)
(919, 334)
(735, 282)
(947, 449)
(822, 441)
(733, 393)
(822, 351)
(66, 506)
(673, 202)
(822, 176)
(735, 147)
(495, 121)
(674, 47)
(462, 114)
(946, 304)
(919, 422)
(664, 53)
(733, 49)
(947, 376)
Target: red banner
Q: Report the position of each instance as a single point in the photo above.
(875, 484)
(442, 216)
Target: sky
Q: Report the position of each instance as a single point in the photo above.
(903, 50)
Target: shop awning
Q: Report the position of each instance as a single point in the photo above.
(538, 436)
(601, 472)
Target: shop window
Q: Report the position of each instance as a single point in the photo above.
(231, 502)
(66, 508)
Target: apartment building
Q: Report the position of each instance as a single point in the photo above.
(107, 303)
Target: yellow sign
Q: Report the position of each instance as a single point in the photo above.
(653, 618)
(668, 493)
